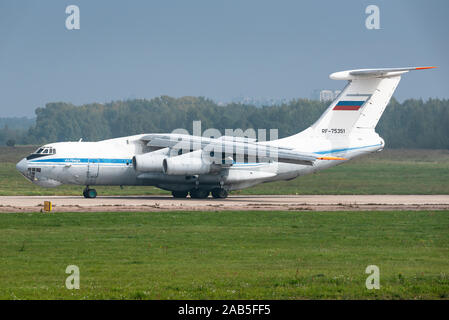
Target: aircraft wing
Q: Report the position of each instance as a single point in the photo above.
(246, 148)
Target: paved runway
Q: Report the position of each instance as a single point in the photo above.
(271, 202)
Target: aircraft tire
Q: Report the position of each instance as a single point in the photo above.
(199, 194)
(219, 193)
(90, 193)
(179, 194)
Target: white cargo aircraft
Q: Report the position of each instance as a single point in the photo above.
(197, 165)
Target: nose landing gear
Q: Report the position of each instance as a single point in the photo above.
(89, 193)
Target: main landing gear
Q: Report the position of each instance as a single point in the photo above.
(217, 193)
(179, 194)
(199, 194)
(89, 193)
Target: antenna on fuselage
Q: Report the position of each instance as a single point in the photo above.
(81, 139)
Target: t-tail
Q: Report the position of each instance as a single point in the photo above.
(358, 108)
(347, 127)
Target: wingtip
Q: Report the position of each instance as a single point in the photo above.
(331, 158)
(424, 68)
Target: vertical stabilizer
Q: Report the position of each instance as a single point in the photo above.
(362, 102)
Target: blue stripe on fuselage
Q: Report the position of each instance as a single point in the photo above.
(124, 161)
(83, 160)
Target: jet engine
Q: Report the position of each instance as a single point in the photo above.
(191, 163)
(150, 162)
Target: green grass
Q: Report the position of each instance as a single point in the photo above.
(386, 172)
(225, 255)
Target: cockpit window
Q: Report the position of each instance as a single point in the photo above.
(41, 152)
(46, 150)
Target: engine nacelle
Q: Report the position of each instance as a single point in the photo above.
(189, 164)
(149, 162)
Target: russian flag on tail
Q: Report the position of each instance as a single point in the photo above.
(352, 105)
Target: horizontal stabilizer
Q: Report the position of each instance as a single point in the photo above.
(372, 73)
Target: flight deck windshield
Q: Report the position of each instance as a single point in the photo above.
(41, 152)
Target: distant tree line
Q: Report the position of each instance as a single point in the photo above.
(411, 124)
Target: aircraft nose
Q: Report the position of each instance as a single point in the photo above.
(22, 166)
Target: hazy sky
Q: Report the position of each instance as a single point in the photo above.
(218, 49)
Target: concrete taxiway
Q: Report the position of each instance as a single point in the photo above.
(234, 202)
